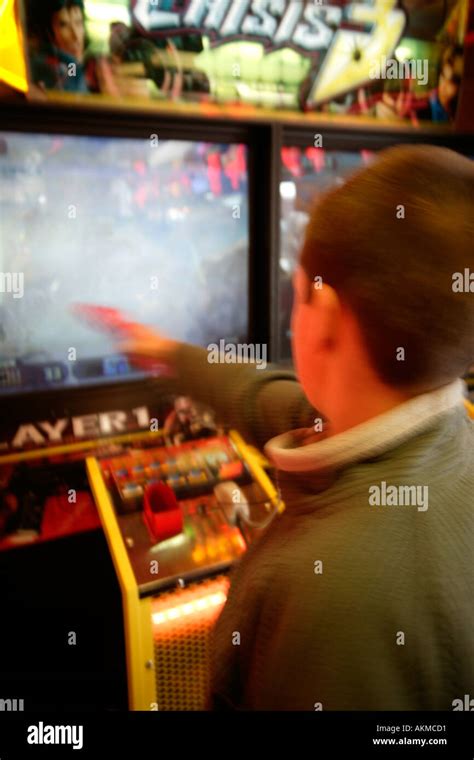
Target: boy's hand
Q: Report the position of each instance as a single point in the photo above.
(143, 345)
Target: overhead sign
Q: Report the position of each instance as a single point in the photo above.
(377, 57)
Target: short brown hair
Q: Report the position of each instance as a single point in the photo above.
(389, 242)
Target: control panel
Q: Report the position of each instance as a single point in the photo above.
(184, 511)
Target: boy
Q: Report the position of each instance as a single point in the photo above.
(360, 596)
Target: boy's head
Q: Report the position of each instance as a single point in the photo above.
(386, 245)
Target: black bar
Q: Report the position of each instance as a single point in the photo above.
(321, 735)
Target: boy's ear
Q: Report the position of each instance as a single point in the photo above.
(301, 285)
(325, 315)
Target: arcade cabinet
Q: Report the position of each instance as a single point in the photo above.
(122, 507)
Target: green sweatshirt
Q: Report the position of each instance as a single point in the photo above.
(360, 596)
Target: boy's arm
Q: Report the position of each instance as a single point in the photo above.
(259, 403)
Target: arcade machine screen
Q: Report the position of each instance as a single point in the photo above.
(155, 228)
(305, 174)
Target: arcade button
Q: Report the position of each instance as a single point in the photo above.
(197, 476)
(176, 481)
(153, 471)
(213, 460)
(231, 470)
(132, 491)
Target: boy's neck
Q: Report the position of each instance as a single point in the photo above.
(354, 410)
(359, 404)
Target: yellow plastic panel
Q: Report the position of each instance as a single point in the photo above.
(12, 58)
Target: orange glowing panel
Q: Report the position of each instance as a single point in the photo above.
(12, 59)
(192, 602)
(189, 608)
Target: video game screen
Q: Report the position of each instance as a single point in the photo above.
(157, 229)
(305, 174)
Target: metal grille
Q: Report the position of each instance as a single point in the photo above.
(182, 623)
